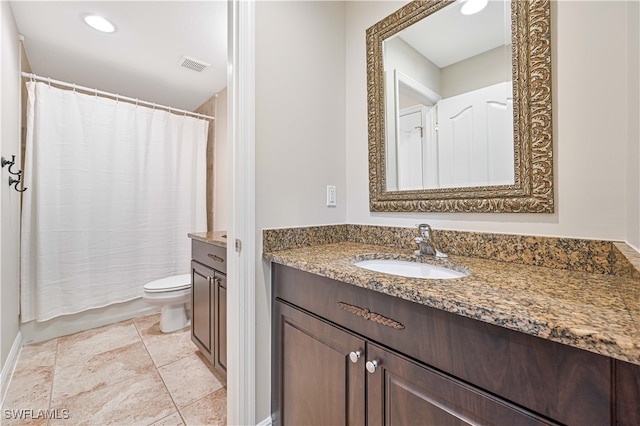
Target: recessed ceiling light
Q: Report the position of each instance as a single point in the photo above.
(469, 7)
(99, 23)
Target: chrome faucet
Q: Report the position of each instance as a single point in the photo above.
(426, 243)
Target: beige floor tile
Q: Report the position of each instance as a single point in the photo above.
(24, 418)
(29, 392)
(42, 354)
(148, 325)
(172, 420)
(164, 348)
(171, 347)
(140, 400)
(76, 348)
(129, 373)
(101, 370)
(30, 389)
(188, 380)
(28, 396)
(210, 410)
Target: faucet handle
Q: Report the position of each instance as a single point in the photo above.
(425, 229)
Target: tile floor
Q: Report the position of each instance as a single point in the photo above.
(127, 373)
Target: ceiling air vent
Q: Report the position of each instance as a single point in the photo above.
(193, 64)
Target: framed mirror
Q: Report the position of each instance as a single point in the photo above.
(459, 108)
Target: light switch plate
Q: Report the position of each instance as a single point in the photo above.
(331, 196)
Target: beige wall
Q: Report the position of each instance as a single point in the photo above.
(299, 137)
(9, 199)
(217, 181)
(590, 122)
(209, 108)
(485, 69)
(221, 180)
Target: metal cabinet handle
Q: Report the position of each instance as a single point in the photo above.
(371, 366)
(354, 356)
(216, 258)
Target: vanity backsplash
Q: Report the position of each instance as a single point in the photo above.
(594, 256)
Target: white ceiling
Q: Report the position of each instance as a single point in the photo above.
(448, 36)
(141, 59)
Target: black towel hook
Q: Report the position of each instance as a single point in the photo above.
(14, 182)
(6, 162)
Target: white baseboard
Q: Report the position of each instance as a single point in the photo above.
(9, 366)
(34, 332)
(266, 422)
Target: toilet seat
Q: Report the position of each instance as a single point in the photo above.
(164, 285)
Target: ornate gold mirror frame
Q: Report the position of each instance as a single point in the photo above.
(532, 191)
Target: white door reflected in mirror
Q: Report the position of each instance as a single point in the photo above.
(449, 101)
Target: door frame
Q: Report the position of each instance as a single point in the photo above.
(241, 229)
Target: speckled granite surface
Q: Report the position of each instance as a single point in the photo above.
(627, 261)
(602, 257)
(218, 238)
(596, 312)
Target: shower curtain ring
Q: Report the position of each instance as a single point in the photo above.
(49, 79)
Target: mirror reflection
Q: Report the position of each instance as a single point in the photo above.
(448, 102)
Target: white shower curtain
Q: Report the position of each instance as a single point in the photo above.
(113, 190)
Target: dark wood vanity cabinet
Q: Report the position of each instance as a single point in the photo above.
(431, 366)
(318, 382)
(627, 393)
(209, 303)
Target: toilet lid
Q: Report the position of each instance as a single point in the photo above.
(174, 283)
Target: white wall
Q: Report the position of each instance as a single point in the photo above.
(300, 137)
(9, 199)
(590, 126)
(633, 154)
(311, 94)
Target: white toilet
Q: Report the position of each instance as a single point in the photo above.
(173, 294)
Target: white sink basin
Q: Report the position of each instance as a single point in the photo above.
(410, 269)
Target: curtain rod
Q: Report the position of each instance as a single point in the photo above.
(113, 95)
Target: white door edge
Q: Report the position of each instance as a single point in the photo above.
(241, 161)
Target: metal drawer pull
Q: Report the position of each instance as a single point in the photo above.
(355, 356)
(371, 366)
(216, 258)
(371, 316)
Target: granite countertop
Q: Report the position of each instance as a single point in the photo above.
(217, 238)
(596, 312)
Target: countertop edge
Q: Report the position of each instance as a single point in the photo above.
(217, 238)
(624, 348)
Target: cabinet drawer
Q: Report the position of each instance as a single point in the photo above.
(210, 255)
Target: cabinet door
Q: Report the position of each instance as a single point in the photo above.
(627, 394)
(402, 392)
(315, 382)
(220, 334)
(202, 297)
